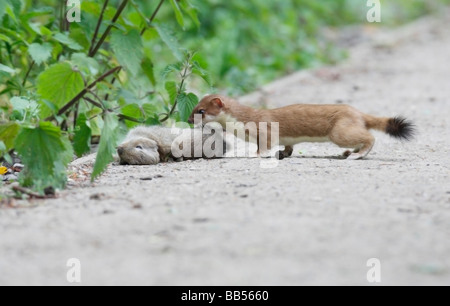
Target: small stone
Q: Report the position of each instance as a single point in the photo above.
(18, 167)
(96, 196)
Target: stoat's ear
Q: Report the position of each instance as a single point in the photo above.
(218, 102)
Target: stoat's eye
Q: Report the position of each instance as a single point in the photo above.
(202, 111)
(139, 147)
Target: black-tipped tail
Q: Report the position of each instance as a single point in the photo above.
(400, 128)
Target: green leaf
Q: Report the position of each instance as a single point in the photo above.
(198, 70)
(40, 53)
(169, 69)
(128, 50)
(148, 68)
(86, 64)
(169, 39)
(133, 111)
(186, 104)
(3, 5)
(7, 69)
(107, 146)
(24, 106)
(178, 13)
(149, 109)
(191, 11)
(172, 90)
(45, 152)
(82, 138)
(67, 41)
(59, 84)
(8, 134)
(5, 38)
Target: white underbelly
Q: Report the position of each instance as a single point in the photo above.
(290, 141)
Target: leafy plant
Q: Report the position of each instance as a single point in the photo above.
(65, 83)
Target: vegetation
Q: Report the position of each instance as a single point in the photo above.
(64, 85)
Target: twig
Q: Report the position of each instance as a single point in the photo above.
(31, 193)
(108, 29)
(93, 102)
(83, 92)
(75, 116)
(28, 73)
(183, 79)
(153, 16)
(125, 117)
(112, 83)
(99, 23)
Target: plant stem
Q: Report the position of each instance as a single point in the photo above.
(153, 16)
(95, 103)
(125, 117)
(183, 79)
(31, 193)
(109, 28)
(99, 23)
(83, 92)
(28, 73)
(75, 116)
(142, 33)
(112, 83)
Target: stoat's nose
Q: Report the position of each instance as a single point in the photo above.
(191, 120)
(120, 150)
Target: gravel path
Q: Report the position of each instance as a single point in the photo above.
(311, 220)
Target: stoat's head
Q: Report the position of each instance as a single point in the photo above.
(139, 151)
(208, 109)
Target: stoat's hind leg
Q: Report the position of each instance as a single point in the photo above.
(347, 136)
(361, 153)
(288, 150)
(349, 152)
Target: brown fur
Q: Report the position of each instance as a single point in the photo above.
(341, 124)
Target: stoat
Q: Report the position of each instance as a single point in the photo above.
(343, 125)
(149, 145)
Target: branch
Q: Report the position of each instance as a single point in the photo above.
(83, 92)
(31, 193)
(28, 73)
(109, 28)
(112, 83)
(153, 16)
(99, 23)
(125, 117)
(93, 102)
